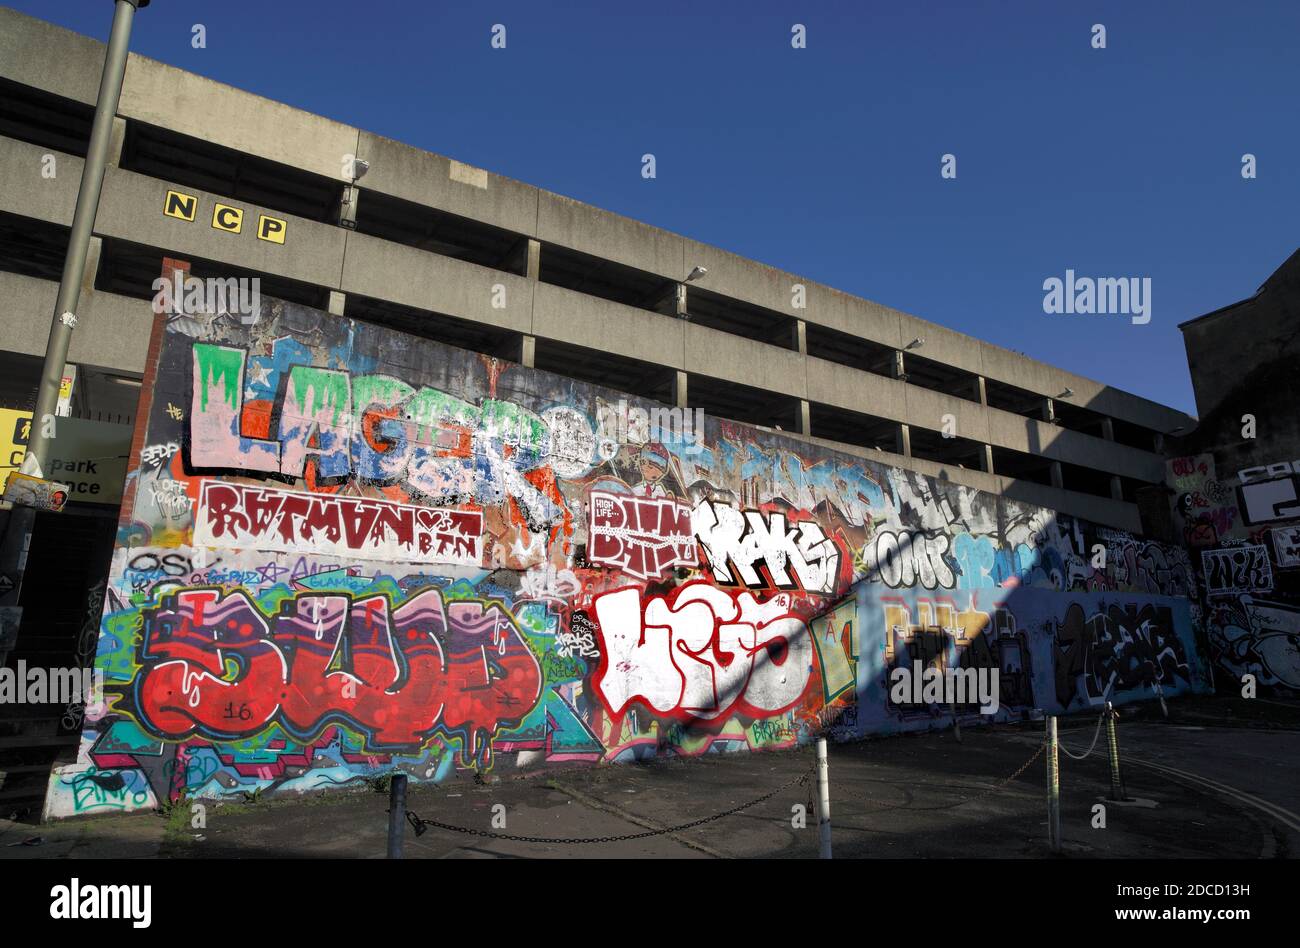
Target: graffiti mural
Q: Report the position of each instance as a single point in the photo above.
(392, 674)
(1250, 572)
(352, 552)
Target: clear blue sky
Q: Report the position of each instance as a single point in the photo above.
(825, 161)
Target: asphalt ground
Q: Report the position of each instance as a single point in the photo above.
(1214, 780)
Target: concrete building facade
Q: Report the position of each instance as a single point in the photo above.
(429, 245)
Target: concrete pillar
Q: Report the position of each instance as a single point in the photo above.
(116, 139)
(1108, 429)
(93, 253)
(679, 389)
(903, 440)
(1158, 443)
(1049, 411)
(986, 458)
(1116, 488)
(527, 350)
(981, 391)
(800, 340)
(805, 416)
(897, 369)
(1058, 481)
(534, 265)
(337, 302)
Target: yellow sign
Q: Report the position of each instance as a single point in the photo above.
(271, 228)
(89, 455)
(227, 218)
(180, 206)
(15, 432)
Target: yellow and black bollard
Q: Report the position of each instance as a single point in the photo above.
(1112, 738)
(1053, 787)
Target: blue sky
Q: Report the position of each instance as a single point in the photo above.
(825, 161)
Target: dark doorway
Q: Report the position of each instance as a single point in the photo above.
(62, 600)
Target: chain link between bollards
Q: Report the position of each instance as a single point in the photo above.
(421, 824)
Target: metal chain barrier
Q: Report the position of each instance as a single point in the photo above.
(1002, 785)
(421, 824)
(1091, 747)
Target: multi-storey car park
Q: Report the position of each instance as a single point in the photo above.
(437, 248)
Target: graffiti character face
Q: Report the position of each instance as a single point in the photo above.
(653, 462)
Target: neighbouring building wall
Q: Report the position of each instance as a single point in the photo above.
(1234, 490)
(346, 551)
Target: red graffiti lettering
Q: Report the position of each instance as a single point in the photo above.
(216, 666)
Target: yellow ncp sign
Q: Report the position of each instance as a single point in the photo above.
(181, 206)
(271, 228)
(225, 217)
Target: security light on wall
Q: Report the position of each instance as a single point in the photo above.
(916, 343)
(695, 274)
(348, 201)
(1068, 393)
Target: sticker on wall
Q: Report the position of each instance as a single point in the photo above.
(27, 491)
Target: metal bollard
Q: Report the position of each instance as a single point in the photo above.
(823, 799)
(956, 724)
(396, 816)
(1053, 787)
(1112, 738)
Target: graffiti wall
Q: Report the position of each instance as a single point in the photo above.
(1244, 526)
(345, 551)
